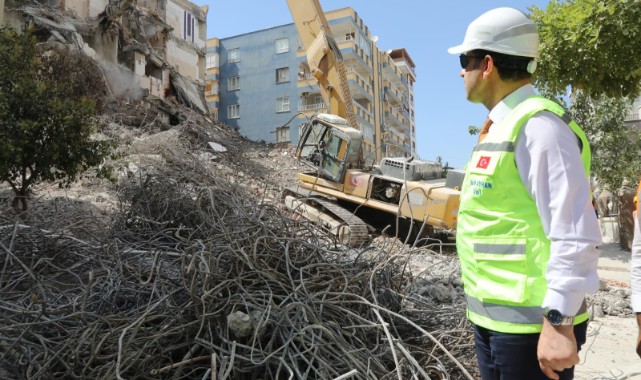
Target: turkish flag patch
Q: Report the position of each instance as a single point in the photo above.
(484, 162)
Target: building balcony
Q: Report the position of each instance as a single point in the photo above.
(408, 134)
(403, 111)
(392, 97)
(302, 107)
(395, 119)
(305, 75)
(363, 113)
(348, 37)
(394, 131)
(356, 59)
(403, 65)
(359, 92)
(393, 74)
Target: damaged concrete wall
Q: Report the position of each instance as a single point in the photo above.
(122, 82)
(141, 54)
(186, 45)
(183, 58)
(86, 8)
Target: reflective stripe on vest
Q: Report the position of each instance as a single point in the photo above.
(500, 240)
(503, 249)
(506, 146)
(510, 314)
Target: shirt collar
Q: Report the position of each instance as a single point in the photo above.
(510, 102)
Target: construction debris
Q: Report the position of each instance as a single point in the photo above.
(124, 40)
(192, 277)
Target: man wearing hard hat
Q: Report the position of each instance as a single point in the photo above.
(527, 233)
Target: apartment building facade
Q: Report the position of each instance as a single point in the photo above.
(212, 77)
(266, 90)
(256, 81)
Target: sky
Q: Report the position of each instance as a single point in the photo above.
(425, 29)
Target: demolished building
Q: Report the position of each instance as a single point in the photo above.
(151, 51)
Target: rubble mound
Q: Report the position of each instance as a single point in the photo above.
(184, 264)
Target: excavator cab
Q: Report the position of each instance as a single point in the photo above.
(330, 146)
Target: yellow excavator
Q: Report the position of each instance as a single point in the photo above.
(406, 196)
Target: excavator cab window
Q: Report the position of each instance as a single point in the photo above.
(312, 142)
(325, 147)
(333, 162)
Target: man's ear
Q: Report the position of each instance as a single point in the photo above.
(488, 66)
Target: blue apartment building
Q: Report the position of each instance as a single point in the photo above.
(260, 84)
(257, 85)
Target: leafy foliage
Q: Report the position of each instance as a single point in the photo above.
(615, 147)
(46, 116)
(593, 45)
(592, 48)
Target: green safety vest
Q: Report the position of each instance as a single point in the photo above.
(500, 240)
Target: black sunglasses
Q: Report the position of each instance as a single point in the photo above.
(465, 59)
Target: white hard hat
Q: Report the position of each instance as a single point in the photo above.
(501, 30)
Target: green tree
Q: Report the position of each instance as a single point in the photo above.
(46, 116)
(590, 49)
(592, 45)
(615, 147)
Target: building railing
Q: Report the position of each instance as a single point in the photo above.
(309, 107)
(344, 38)
(391, 96)
(305, 75)
(403, 111)
(363, 109)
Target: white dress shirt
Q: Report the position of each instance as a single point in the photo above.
(635, 267)
(547, 156)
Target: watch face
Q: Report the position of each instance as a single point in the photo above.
(555, 317)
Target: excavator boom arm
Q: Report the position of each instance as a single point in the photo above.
(323, 57)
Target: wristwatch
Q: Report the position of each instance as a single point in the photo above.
(556, 318)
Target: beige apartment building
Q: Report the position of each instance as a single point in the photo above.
(148, 49)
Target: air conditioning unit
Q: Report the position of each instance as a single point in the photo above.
(415, 170)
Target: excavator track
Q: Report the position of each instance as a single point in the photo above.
(334, 219)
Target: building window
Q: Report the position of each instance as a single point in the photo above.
(282, 75)
(282, 104)
(233, 55)
(189, 26)
(211, 60)
(282, 135)
(233, 83)
(282, 45)
(233, 111)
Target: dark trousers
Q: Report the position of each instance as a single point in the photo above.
(513, 356)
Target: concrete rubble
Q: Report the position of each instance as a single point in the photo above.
(129, 43)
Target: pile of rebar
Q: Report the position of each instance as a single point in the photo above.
(194, 279)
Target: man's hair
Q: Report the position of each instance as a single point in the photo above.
(511, 67)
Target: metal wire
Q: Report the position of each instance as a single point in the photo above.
(151, 294)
